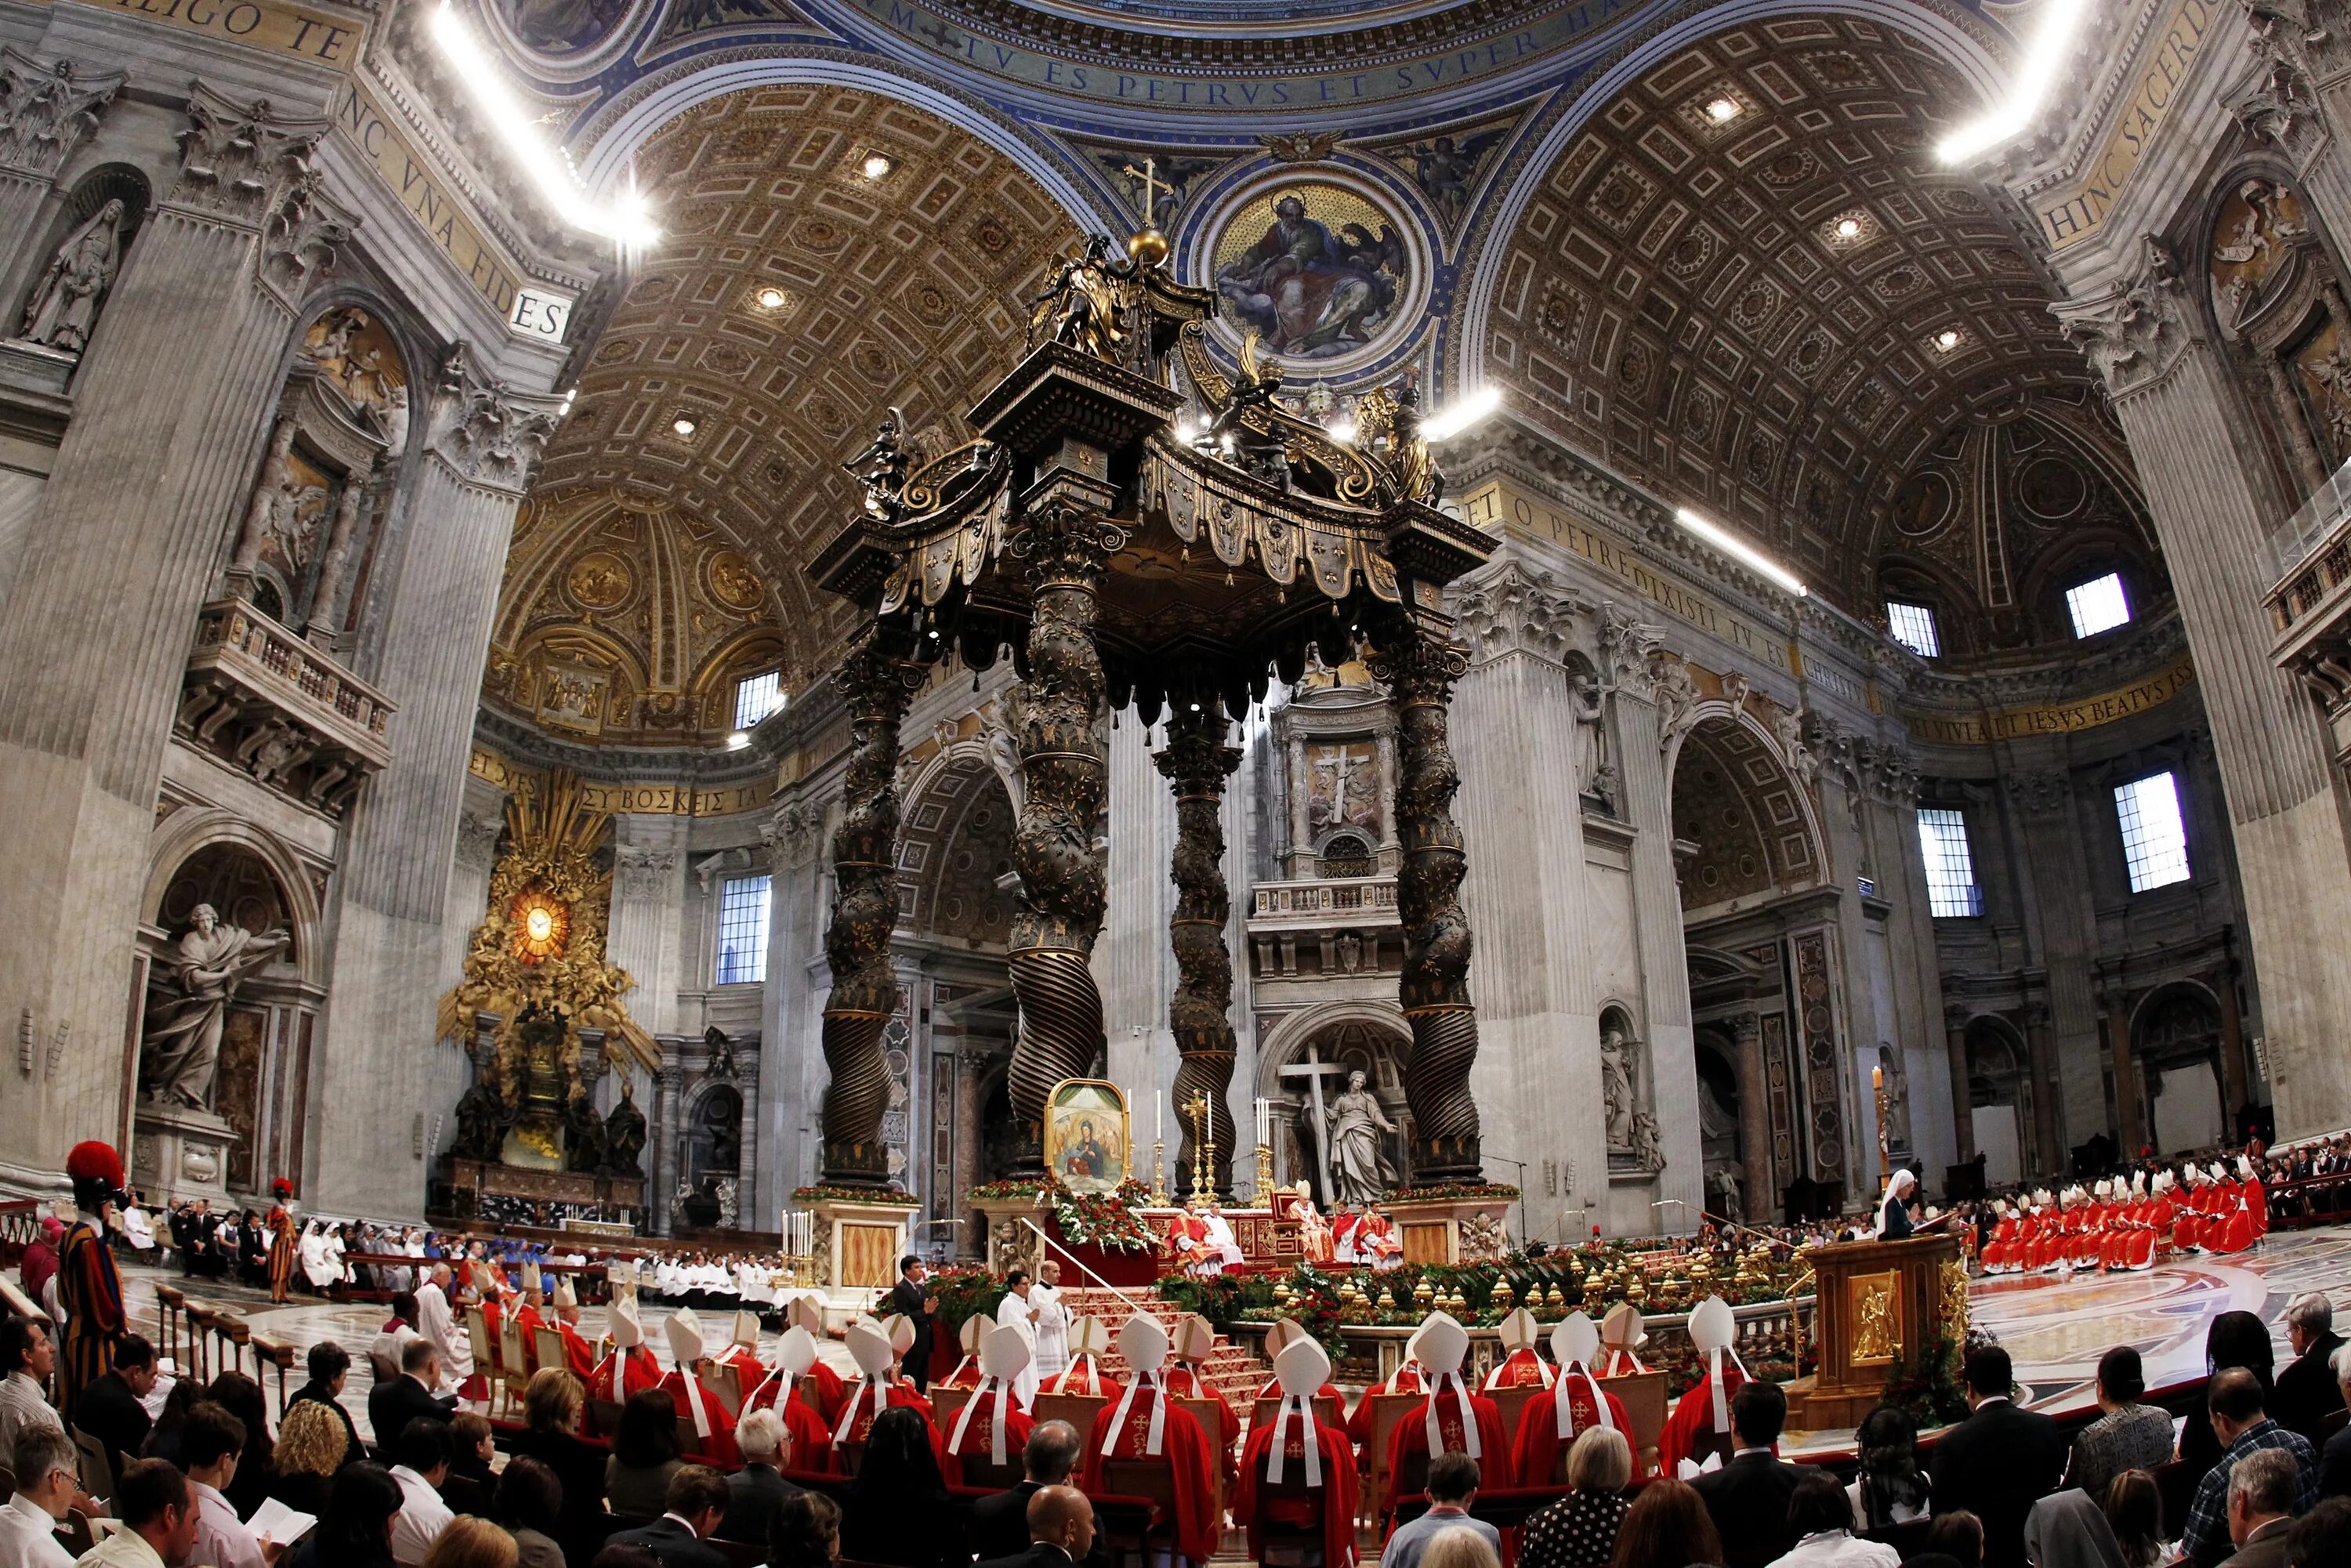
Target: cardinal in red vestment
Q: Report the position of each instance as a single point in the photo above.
(1088, 1340)
(991, 1426)
(967, 1372)
(1195, 1341)
(789, 1391)
(1147, 1423)
(714, 1428)
(1548, 1428)
(1524, 1367)
(1407, 1379)
(877, 1388)
(1297, 1450)
(1451, 1419)
(630, 1367)
(1700, 1423)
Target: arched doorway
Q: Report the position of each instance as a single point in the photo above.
(2176, 1038)
(1772, 1060)
(710, 1154)
(1999, 1101)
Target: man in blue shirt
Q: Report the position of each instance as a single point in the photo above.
(1452, 1482)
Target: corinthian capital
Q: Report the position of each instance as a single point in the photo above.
(46, 109)
(2137, 332)
(1509, 611)
(241, 162)
(486, 431)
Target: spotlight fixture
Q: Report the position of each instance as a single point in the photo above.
(623, 220)
(771, 298)
(2041, 61)
(1447, 424)
(1738, 549)
(1724, 109)
(1848, 228)
(683, 425)
(1947, 339)
(739, 740)
(876, 166)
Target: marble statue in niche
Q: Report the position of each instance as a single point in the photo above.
(180, 1050)
(624, 1133)
(1359, 1161)
(1635, 1141)
(65, 304)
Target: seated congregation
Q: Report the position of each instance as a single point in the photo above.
(607, 1460)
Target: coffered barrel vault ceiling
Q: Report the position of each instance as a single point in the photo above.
(790, 303)
(1740, 277)
(1746, 282)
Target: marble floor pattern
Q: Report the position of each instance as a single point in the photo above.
(2056, 1327)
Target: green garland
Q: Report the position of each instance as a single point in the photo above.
(822, 1194)
(1503, 1191)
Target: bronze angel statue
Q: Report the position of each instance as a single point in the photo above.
(1254, 452)
(883, 466)
(1084, 306)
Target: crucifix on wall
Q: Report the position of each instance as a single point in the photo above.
(1311, 1073)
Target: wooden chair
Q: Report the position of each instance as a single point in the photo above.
(76, 1534)
(979, 1470)
(604, 1417)
(1387, 1409)
(514, 1360)
(2176, 1485)
(1152, 1480)
(1205, 1413)
(724, 1383)
(1511, 1402)
(97, 1469)
(200, 1320)
(852, 1455)
(1644, 1398)
(235, 1333)
(1291, 1546)
(947, 1402)
(1077, 1409)
(485, 1349)
(276, 1353)
(549, 1344)
(738, 1554)
(168, 1300)
(464, 1494)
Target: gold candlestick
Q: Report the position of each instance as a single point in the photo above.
(1198, 1109)
(1265, 1175)
(1158, 1173)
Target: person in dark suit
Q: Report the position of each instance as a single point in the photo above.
(680, 1538)
(1998, 1462)
(393, 1406)
(330, 1367)
(1748, 1498)
(909, 1300)
(999, 1525)
(758, 1489)
(2306, 1393)
(109, 1409)
(1060, 1530)
(2334, 1458)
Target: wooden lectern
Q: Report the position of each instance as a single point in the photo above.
(1879, 1302)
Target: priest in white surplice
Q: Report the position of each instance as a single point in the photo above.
(1050, 1319)
(1018, 1311)
(436, 1321)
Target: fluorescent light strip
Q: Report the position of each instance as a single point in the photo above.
(1741, 550)
(1469, 412)
(625, 222)
(2042, 60)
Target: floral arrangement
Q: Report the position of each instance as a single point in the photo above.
(1108, 1221)
(963, 1292)
(1930, 1386)
(1449, 1191)
(820, 1193)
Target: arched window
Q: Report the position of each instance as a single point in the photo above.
(1347, 855)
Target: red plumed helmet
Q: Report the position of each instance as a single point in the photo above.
(281, 1188)
(93, 1161)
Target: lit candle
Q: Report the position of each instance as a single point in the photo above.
(1878, 1078)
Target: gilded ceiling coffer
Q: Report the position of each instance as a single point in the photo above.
(1182, 573)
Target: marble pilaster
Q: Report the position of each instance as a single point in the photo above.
(786, 1136)
(644, 932)
(1132, 962)
(2171, 397)
(435, 638)
(117, 558)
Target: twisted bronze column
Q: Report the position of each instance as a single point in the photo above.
(1057, 715)
(1419, 673)
(1197, 761)
(864, 910)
